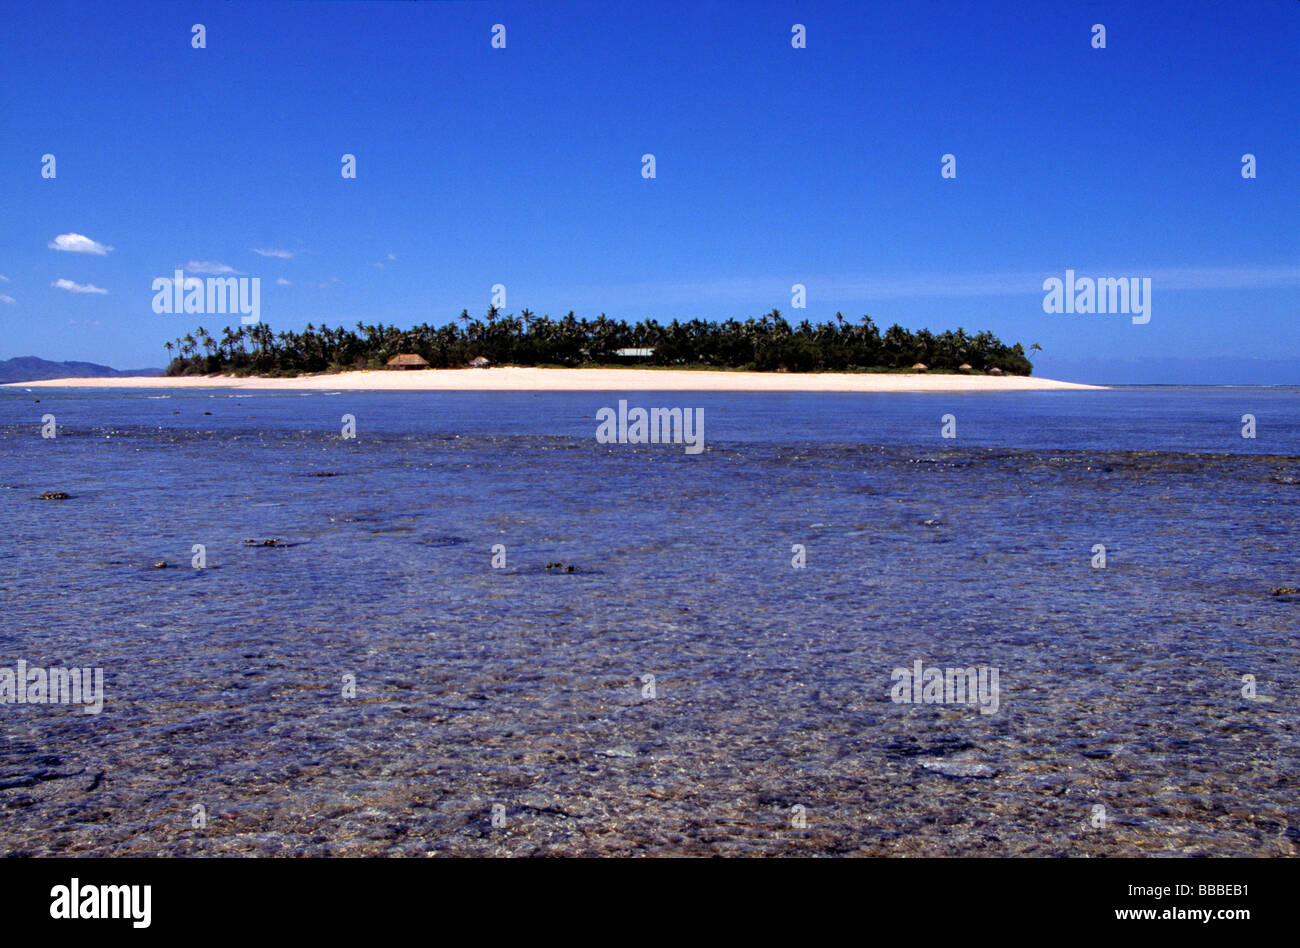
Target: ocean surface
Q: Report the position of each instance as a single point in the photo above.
(372, 684)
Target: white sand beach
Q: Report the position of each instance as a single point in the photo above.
(513, 379)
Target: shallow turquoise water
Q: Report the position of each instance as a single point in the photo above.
(523, 686)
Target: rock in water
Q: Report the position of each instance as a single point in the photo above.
(959, 768)
(623, 750)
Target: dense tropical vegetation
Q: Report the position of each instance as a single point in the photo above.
(765, 344)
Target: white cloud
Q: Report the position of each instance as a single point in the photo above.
(208, 266)
(78, 243)
(281, 281)
(324, 284)
(3, 277)
(275, 252)
(7, 299)
(1011, 284)
(762, 291)
(71, 287)
(1245, 277)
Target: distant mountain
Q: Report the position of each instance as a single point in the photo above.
(32, 369)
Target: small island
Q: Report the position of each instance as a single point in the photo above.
(766, 344)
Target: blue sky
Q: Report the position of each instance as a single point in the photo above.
(775, 166)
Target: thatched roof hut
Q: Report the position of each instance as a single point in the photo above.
(407, 360)
(995, 371)
(920, 367)
(965, 367)
(480, 362)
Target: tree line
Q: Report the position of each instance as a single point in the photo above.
(766, 344)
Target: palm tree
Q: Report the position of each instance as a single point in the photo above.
(766, 342)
